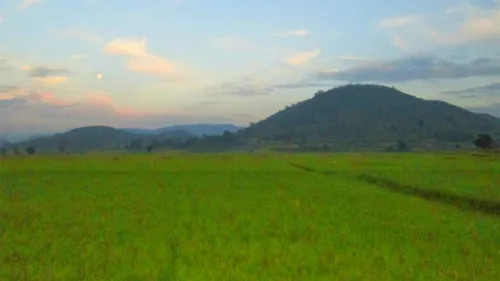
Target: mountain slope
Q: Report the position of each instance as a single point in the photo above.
(373, 113)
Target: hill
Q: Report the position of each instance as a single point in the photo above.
(371, 114)
(194, 129)
(101, 138)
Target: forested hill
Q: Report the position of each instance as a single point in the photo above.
(372, 113)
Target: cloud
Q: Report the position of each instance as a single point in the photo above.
(82, 35)
(493, 109)
(396, 22)
(48, 75)
(234, 43)
(458, 25)
(491, 90)
(417, 67)
(24, 110)
(4, 64)
(399, 43)
(303, 58)
(78, 57)
(243, 90)
(299, 85)
(4, 89)
(48, 71)
(354, 58)
(28, 3)
(140, 60)
(298, 32)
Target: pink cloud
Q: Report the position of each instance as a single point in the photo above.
(39, 111)
(140, 60)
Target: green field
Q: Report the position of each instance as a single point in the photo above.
(250, 217)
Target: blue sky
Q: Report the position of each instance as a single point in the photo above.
(129, 63)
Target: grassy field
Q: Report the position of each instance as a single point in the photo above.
(250, 217)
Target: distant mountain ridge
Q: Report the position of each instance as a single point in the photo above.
(100, 138)
(195, 129)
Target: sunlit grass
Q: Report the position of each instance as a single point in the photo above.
(244, 217)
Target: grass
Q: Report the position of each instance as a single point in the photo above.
(247, 217)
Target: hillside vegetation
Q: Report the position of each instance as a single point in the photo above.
(372, 114)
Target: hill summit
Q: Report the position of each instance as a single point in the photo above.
(372, 113)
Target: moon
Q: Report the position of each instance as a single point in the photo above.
(99, 76)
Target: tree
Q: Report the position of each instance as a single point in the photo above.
(484, 141)
(149, 148)
(402, 146)
(3, 151)
(30, 150)
(62, 146)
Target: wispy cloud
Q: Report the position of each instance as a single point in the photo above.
(28, 3)
(396, 22)
(78, 57)
(299, 85)
(417, 67)
(491, 90)
(492, 109)
(303, 57)
(4, 64)
(241, 90)
(140, 60)
(471, 24)
(79, 34)
(354, 58)
(298, 32)
(48, 75)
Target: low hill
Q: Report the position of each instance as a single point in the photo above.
(99, 138)
(372, 114)
(194, 129)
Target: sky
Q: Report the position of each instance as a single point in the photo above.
(149, 64)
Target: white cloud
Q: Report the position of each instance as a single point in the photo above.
(303, 58)
(28, 3)
(140, 60)
(459, 25)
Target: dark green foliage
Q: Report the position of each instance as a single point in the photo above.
(63, 147)
(484, 141)
(402, 146)
(149, 148)
(30, 150)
